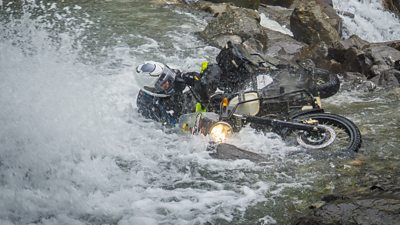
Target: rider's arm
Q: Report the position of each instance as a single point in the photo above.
(193, 80)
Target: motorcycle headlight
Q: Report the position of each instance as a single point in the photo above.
(220, 131)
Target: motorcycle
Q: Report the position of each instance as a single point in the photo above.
(268, 104)
(302, 120)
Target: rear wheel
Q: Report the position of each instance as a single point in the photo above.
(340, 134)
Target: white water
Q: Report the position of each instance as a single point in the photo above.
(371, 22)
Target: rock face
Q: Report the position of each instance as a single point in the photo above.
(237, 25)
(251, 4)
(310, 23)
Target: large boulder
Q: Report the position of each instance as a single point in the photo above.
(311, 22)
(237, 25)
(251, 4)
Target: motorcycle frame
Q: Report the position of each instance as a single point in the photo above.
(238, 120)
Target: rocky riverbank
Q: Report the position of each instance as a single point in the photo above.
(315, 33)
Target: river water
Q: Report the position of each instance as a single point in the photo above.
(73, 149)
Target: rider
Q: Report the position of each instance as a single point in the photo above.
(162, 98)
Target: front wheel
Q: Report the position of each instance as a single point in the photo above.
(339, 133)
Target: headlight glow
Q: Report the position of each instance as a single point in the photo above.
(220, 131)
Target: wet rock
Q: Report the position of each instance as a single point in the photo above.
(377, 61)
(251, 4)
(318, 52)
(378, 207)
(392, 5)
(214, 9)
(283, 46)
(311, 24)
(388, 78)
(393, 44)
(279, 14)
(339, 52)
(357, 81)
(231, 152)
(237, 25)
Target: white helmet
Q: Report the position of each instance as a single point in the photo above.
(158, 79)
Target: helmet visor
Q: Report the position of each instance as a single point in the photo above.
(165, 81)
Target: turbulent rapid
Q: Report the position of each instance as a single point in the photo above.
(74, 150)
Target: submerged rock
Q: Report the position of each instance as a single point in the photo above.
(231, 152)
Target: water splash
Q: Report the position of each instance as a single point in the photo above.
(74, 151)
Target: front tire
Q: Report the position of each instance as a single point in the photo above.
(346, 135)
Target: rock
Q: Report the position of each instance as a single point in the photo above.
(318, 52)
(357, 81)
(381, 57)
(388, 78)
(237, 25)
(392, 5)
(397, 65)
(283, 46)
(214, 9)
(393, 44)
(338, 52)
(231, 152)
(279, 14)
(310, 24)
(251, 4)
(374, 60)
(378, 207)
(283, 3)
